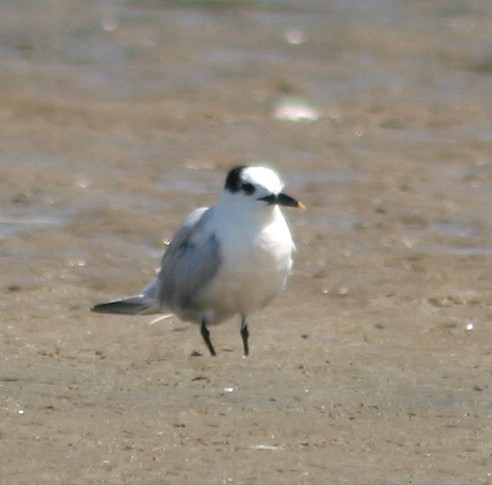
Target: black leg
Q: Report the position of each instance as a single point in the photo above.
(206, 337)
(245, 335)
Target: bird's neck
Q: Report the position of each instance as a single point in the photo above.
(237, 211)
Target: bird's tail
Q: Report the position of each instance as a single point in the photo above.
(143, 304)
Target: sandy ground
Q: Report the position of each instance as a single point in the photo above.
(373, 367)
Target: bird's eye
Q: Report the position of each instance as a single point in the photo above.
(247, 188)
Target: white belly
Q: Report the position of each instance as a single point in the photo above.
(253, 271)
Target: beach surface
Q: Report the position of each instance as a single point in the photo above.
(373, 367)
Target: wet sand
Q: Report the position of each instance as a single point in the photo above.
(373, 367)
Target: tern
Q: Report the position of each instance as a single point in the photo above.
(232, 258)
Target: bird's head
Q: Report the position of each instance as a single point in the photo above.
(257, 187)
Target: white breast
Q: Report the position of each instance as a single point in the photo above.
(256, 260)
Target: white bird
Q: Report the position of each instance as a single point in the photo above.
(228, 259)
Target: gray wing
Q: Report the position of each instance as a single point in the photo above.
(189, 264)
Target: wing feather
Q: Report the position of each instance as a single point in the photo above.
(189, 264)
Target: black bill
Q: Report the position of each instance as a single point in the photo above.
(282, 199)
